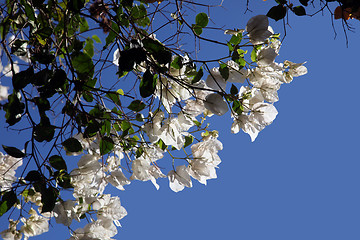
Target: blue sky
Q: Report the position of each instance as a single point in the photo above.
(298, 180)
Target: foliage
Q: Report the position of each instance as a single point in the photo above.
(91, 79)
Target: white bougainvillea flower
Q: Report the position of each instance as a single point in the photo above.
(215, 81)
(34, 225)
(216, 104)
(206, 158)
(116, 57)
(261, 115)
(11, 233)
(268, 80)
(97, 230)
(7, 69)
(64, 212)
(143, 167)
(294, 70)
(258, 29)
(8, 165)
(180, 179)
(236, 75)
(117, 179)
(266, 56)
(4, 93)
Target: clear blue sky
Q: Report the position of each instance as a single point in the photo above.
(300, 178)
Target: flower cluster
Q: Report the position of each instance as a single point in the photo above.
(123, 151)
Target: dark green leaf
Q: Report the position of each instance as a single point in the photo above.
(299, 11)
(136, 105)
(160, 53)
(188, 140)
(197, 29)
(112, 34)
(14, 108)
(198, 76)
(281, 1)
(48, 199)
(92, 128)
(23, 78)
(57, 162)
(177, 62)
(83, 63)
(58, 79)
(8, 200)
(42, 103)
(44, 131)
(106, 145)
(237, 107)
(224, 71)
(147, 84)
(14, 152)
(234, 90)
(63, 179)
(72, 145)
(202, 20)
(33, 176)
(277, 12)
(114, 96)
(76, 5)
(304, 2)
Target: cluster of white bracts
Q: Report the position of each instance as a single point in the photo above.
(171, 126)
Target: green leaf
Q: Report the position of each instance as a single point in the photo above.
(177, 62)
(83, 63)
(197, 29)
(139, 15)
(14, 152)
(235, 39)
(112, 34)
(120, 91)
(89, 47)
(277, 12)
(161, 144)
(237, 107)
(57, 162)
(254, 54)
(147, 84)
(136, 105)
(96, 38)
(106, 145)
(198, 76)
(202, 20)
(72, 145)
(299, 11)
(114, 97)
(224, 71)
